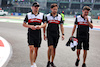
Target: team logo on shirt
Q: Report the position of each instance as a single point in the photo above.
(83, 23)
(34, 20)
(54, 21)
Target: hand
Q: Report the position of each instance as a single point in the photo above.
(86, 17)
(71, 37)
(32, 27)
(45, 37)
(63, 37)
(38, 27)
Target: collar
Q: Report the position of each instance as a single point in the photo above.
(52, 15)
(82, 16)
(34, 14)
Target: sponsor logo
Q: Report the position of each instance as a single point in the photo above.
(34, 20)
(83, 23)
(54, 21)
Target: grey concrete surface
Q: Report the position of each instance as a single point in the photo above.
(15, 34)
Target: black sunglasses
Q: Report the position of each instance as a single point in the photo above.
(36, 6)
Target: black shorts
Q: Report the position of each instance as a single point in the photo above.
(83, 42)
(34, 40)
(52, 40)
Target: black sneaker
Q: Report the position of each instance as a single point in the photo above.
(84, 65)
(77, 62)
(48, 64)
(52, 64)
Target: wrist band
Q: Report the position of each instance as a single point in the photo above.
(62, 34)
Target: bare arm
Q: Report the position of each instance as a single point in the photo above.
(73, 29)
(62, 28)
(90, 24)
(41, 26)
(62, 31)
(44, 31)
(29, 26)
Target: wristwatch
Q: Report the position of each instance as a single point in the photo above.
(62, 34)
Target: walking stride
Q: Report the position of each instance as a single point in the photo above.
(53, 20)
(34, 26)
(83, 22)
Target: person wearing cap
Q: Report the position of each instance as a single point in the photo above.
(63, 16)
(33, 22)
(53, 20)
(83, 22)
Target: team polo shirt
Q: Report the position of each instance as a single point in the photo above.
(53, 23)
(32, 19)
(83, 26)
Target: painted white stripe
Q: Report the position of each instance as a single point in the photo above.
(12, 21)
(5, 53)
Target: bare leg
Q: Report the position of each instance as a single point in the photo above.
(31, 53)
(84, 56)
(35, 54)
(53, 54)
(49, 53)
(78, 54)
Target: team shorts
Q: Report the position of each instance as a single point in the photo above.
(83, 42)
(34, 40)
(52, 40)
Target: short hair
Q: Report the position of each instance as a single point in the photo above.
(86, 8)
(54, 5)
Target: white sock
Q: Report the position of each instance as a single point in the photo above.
(31, 65)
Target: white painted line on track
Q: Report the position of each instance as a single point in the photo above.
(5, 52)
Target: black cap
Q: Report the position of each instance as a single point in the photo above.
(35, 4)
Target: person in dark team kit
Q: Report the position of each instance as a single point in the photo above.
(34, 26)
(53, 19)
(83, 22)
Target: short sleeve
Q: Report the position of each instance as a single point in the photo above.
(61, 21)
(46, 20)
(26, 19)
(76, 22)
(91, 21)
(43, 20)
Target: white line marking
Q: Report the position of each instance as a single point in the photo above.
(5, 53)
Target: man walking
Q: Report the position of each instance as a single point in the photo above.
(83, 22)
(53, 19)
(34, 26)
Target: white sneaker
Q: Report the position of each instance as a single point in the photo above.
(34, 65)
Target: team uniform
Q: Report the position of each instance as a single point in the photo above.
(53, 29)
(82, 32)
(34, 36)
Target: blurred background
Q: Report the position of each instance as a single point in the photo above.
(12, 14)
(71, 7)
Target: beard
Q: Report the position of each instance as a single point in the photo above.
(54, 12)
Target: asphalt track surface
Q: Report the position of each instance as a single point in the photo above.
(15, 34)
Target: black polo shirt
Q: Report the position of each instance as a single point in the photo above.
(53, 23)
(33, 19)
(83, 26)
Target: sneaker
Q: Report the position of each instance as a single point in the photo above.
(77, 62)
(84, 65)
(52, 64)
(34, 65)
(31, 65)
(48, 64)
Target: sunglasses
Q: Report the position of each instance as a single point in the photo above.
(36, 6)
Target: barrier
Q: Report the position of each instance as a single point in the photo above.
(98, 17)
(17, 14)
